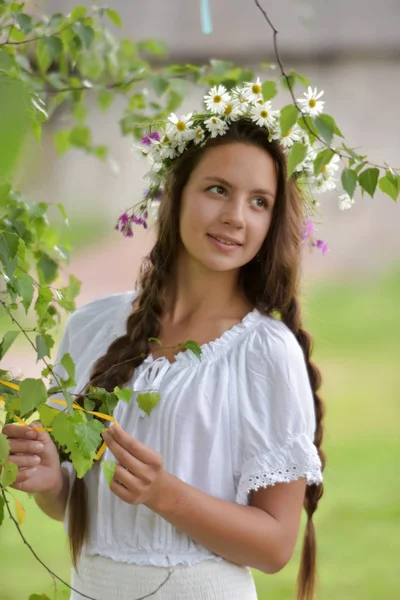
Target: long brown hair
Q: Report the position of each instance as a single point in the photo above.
(270, 283)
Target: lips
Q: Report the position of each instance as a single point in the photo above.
(224, 238)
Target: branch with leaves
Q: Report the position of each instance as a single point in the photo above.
(63, 62)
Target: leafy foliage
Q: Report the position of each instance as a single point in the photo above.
(48, 62)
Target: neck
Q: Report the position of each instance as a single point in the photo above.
(196, 292)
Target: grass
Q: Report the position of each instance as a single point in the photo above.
(357, 332)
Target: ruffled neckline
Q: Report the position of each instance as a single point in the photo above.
(209, 350)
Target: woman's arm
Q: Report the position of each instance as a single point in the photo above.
(53, 503)
(261, 536)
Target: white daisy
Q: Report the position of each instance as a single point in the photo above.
(310, 104)
(232, 111)
(345, 202)
(288, 138)
(240, 100)
(198, 135)
(253, 91)
(179, 129)
(263, 115)
(217, 99)
(216, 126)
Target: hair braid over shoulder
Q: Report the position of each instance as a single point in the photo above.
(291, 316)
(116, 368)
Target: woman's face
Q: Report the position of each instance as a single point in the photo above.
(230, 195)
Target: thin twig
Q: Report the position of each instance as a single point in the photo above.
(285, 75)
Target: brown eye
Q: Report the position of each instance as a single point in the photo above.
(217, 188)
(262, 202)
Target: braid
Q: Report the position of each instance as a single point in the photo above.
(116, 367)
(291, 316)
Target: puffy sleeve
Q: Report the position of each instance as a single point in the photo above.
(274, 424)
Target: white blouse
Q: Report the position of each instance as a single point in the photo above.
(240, 418)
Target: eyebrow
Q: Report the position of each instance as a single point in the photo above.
(229, 185)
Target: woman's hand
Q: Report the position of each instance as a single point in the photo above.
(36, 456)
(139, 477)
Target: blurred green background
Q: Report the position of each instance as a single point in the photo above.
(357, 331)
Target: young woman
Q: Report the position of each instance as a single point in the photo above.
(214, 480)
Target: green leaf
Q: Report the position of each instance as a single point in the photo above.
(193, 346)
(84, 33)
(108, 468)
(44, 343)
(155, 47)
(137, 102)
(69, 365)
(288, 117)
(322, 158)
(4, 449)
(159, 84)
(296, 156)
(39, 597)
(125, 394)
(105, 98)
(24, 22)
(368, 180)
(61, 142)
(8, 474)
(147, 401)
(15, 123)
(390, 185)
(47, 268)
(153, 339)
(269, 90)
(47, 414)
(63, 213)
(101, 152)
(7, 342)
(80, 111)
(114, 17)
(88, 438)
(174, 100)
(78, 13)
(49, 49)
(89, 404)
(45, 296)
(326, 127)
(6, 60)
(80, 136)
(2, 503)
(33, 393)
(349, 181)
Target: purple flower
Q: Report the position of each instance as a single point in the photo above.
(308, 230)
(146, 139)
(144, 224)
(321, 244)
(128, 231)
(124, 219)
(145, 214)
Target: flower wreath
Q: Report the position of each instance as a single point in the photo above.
(223, 107)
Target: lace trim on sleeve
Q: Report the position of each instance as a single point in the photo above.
(300, 459)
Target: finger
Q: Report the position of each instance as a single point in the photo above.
(41, 436)
(24, 460)
(121, 491)
(19, 431)
(22, 480)
(25, 446)
(133, 446)
(124, 457)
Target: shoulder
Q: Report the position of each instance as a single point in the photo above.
(271, 342)
(100, 311)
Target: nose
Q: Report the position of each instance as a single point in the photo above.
(233, 212)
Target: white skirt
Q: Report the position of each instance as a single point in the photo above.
(102, 578)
